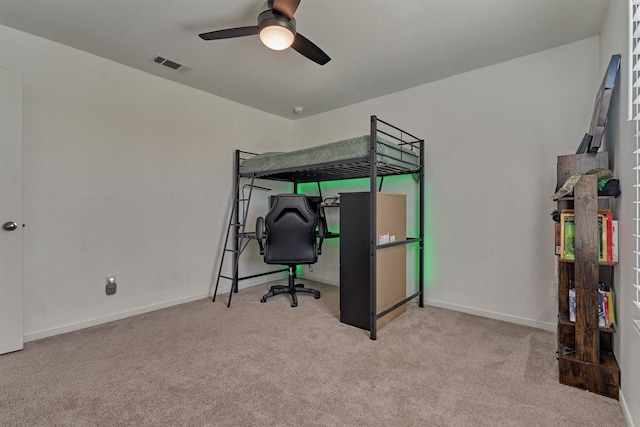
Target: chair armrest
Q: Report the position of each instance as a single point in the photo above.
(322, 232)
(260, 233)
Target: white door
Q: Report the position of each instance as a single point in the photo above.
(11, 332)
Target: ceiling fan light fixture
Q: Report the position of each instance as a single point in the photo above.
(276, 37)
(276, 31)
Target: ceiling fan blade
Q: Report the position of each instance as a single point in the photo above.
(285, 7)
(305, 47)
(230, 33)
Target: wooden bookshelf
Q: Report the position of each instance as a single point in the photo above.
(585, 350)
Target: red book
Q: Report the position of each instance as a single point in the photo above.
(607, 234)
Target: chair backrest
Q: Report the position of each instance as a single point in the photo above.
(291, 231)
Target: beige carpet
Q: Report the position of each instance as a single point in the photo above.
(202, 364)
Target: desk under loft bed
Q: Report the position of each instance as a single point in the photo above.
(387, 150)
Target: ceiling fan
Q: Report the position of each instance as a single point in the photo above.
(277, 30)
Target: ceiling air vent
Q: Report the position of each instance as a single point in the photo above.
(173, 65)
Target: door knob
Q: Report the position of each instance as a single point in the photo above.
(9, 225)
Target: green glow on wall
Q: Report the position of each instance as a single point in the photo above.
(429, 244)
(395, 183)
(332, 188)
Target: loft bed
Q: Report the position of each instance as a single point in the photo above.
(387, 150)
(349, 158)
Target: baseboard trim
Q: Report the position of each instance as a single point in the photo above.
(625, 410)
(493, 315)
(224, 288)
(257, 281)
(110, 318)
(320, 280)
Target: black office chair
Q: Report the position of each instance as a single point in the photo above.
(290, 228)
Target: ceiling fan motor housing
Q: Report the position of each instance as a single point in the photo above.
(269, 18)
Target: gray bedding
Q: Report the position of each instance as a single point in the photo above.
(388, 153)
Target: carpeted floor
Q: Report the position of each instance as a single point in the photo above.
(203, 364)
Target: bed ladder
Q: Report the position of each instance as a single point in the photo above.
(236, 225)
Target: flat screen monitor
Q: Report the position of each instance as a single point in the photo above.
(593, 138)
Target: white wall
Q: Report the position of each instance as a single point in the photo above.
(130, 175)
(492, 138)
(125, 174)
(619, 141)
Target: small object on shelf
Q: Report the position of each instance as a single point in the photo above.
(331, 201)
(610, 188)
(567, 187)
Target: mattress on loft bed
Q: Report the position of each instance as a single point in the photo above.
(388, 153)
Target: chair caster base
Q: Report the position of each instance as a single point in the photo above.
(292, 290)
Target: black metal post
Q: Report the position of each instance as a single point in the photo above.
(373, 241)
(236, 181)
(421, 251)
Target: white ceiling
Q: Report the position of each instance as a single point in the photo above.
(377, 46)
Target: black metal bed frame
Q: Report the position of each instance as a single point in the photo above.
(404, 144)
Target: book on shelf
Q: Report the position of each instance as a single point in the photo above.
(605, 306)
(601, 233)
(614, 240)
(607, 236)
(572, 301)
(602, 321)
(605, 224)
(606, 311)
(567, 235)
(602, 237)
(611, 313)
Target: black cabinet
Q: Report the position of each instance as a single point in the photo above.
(357, 257)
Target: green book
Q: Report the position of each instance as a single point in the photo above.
(569, 237)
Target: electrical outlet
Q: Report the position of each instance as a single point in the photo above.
(111, 286)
